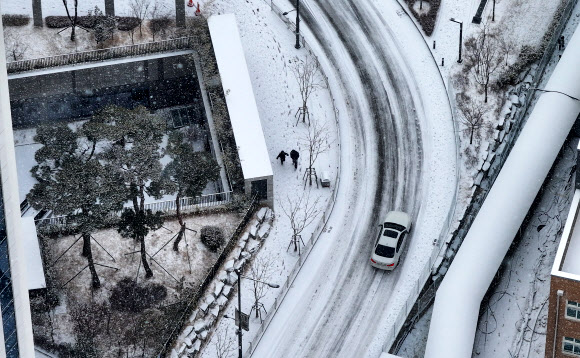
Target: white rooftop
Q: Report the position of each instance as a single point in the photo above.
(567, 262)
(239, 96)
(34, 268)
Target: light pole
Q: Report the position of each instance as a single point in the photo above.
(493, 12)
(460, 37)
(273, 285)
(297, 46)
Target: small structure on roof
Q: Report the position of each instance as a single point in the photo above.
(242, 108)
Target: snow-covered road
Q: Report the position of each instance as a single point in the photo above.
(394, 157)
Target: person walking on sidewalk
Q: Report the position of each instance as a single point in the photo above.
(282, 156)
(294, 155)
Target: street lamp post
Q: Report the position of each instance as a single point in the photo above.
(493, 12)
(273, 285)
(460, 37)
(297, 46)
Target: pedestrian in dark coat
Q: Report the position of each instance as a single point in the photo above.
(282, 156)
(294, 155)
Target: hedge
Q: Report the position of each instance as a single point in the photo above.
(15, 20)
(428, 20)
(127, 23)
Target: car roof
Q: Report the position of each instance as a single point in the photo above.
(388, 241)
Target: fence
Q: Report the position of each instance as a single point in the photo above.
(181, 43)
(57, 223)
(194, 297)
(187, 204)
(411, 313)
(315, 234)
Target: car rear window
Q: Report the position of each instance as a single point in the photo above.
(391, 233)
(385, 251)
(394, 226)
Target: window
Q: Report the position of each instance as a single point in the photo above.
(571, 345)
(391, 233)
(385, 251)
(400, 242)
(380, 231)
(573, 310)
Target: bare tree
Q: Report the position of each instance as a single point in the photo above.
(483, 57)
(308, 76)
(472, 114)
(139, 9)
(261, 271)
(317, 142)
(301, 212)
(159, 20)
(73, 19)
(15, 47)
(224, 344)
(507, 46)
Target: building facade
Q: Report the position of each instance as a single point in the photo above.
(16, 338)
(563, 325)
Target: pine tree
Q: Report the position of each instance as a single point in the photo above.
(186, 175)
(133, 151)
(71, 181)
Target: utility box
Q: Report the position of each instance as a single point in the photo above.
(325, 179)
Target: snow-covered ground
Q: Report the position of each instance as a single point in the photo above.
(507, 333)
(513, 323)
(174, 271)
(268, 45)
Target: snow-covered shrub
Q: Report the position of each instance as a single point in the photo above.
(427, 21)
(56, 22)
(159, 25)
(128, 296)
(212, 237)
(15, 20)
(127, 23)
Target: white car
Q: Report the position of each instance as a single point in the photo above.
(391, 240)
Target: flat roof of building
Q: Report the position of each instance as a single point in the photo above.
(239, 95)
(34, 267)
(566, 262)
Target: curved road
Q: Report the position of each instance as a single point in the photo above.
(338, 314)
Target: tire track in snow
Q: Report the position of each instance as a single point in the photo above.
(390, 140)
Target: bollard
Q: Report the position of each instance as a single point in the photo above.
(433, 44)
(442, 61)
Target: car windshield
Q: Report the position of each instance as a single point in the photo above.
(385, 251)
(394, 226)
(391, 233)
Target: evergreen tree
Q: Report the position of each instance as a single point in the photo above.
(186, 175)
(133, 151)
(71, 181)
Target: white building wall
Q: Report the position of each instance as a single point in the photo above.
(12, 215)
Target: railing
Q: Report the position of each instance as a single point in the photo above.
(187, 204)
(166, 207)
(194, 296)
(180, 43)
(317, 231)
